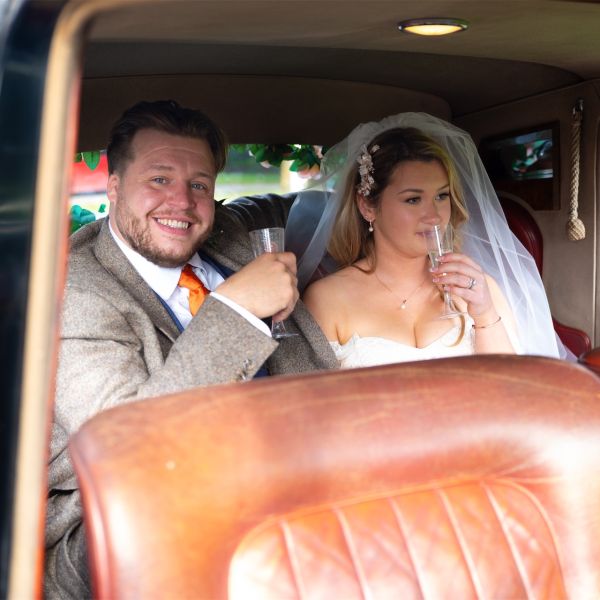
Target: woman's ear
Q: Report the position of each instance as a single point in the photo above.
(366, 209)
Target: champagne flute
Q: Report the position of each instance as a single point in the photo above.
(439, 241)
(270, 239)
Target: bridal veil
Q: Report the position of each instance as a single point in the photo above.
(486, 237)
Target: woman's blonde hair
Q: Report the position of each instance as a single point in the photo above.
(351, 239)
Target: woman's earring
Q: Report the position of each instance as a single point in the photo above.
(370, 226)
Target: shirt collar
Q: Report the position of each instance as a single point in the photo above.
(163, 280)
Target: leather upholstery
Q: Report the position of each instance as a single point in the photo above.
(591, 360)
(526, 230)
(459, 541)
(467, 477)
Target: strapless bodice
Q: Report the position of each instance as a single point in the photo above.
(370, 351)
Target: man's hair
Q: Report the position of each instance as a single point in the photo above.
(167, 116)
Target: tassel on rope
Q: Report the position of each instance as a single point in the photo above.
(575, 226)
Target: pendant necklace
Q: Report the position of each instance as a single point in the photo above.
(403, 301)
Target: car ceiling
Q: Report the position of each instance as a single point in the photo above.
(511, 50)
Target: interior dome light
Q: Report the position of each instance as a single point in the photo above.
(433, 26)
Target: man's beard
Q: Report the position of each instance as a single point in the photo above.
(138, 236)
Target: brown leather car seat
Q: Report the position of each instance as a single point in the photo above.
(457, 478)
(527, 231)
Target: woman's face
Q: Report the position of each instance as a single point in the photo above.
(416, 198)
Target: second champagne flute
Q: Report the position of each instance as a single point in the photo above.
(270, 239)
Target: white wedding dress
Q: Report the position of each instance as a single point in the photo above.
(370, 351)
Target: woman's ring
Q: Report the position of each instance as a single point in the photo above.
(471, 284)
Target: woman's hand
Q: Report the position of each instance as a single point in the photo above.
(465, 279)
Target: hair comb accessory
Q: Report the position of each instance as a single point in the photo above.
(365, 169)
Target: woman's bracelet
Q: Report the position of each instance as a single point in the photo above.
(488, 325)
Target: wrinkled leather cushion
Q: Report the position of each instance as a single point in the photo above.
(484, 539)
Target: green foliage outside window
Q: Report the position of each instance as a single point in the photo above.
(91, 159)
(305, 158)
(82, 216)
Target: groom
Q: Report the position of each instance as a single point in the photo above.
(163, 296)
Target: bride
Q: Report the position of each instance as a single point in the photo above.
(393, 181)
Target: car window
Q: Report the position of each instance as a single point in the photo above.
(251, 169)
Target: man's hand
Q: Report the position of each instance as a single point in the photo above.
(267, 287)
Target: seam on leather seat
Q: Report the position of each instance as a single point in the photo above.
(509, 540)
(291, 553)
(402, 528)
(542, 511)
(462, 543)
(360, 574)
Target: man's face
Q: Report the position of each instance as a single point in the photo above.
(162, 203)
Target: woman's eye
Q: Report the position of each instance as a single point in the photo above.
(160, 180)
(444, 196)
(413, 200)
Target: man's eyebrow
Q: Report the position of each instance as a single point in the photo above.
(205, 174)
(161, 167)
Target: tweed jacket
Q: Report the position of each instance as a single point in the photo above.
(119, 344)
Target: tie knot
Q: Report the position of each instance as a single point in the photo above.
(188, 279)
(197, 291)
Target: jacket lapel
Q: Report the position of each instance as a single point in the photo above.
(113, 260)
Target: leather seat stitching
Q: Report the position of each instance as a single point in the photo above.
(402, 528)
(290, 546)
(462, 543)
(509, 540)
(345, 527)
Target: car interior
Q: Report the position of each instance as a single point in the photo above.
(524, 72)
(324, 69)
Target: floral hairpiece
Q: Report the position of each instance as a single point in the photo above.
(365, 169)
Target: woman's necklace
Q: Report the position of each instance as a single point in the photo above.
(403, 301)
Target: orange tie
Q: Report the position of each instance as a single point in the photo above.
(188, 279)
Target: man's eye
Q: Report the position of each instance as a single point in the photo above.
(160, 180)
(198, 186)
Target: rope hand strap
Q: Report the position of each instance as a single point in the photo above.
(575, 226)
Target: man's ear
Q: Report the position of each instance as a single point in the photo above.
(366, 209)
(112, 188)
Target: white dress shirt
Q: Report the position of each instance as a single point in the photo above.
(164, 280)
